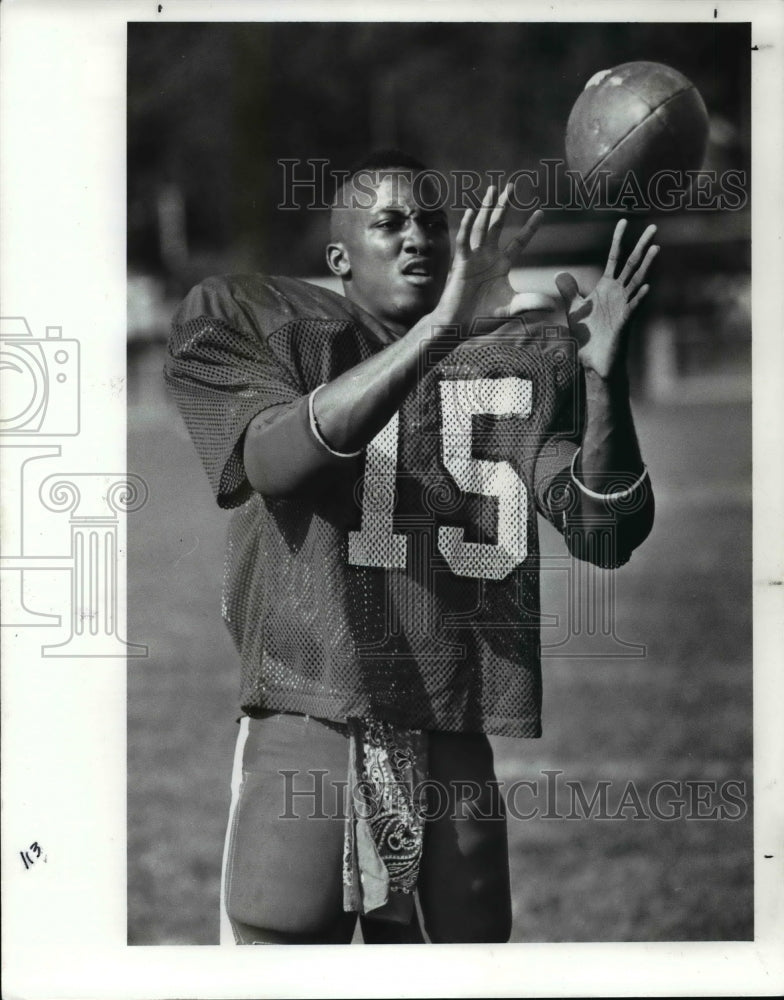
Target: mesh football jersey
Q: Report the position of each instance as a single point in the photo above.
(405, 584)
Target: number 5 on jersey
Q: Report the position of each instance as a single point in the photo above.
(375, 544)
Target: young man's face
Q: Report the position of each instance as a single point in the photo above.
(394, 254)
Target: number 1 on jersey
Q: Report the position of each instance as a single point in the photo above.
(375, 544)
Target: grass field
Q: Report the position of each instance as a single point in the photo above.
(680, 713)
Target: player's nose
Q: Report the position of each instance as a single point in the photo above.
(416, 237)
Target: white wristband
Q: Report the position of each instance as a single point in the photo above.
(317, 433)
(617, 495)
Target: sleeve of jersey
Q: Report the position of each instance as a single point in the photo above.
(602, 531)
(552, 471)
(222, 373)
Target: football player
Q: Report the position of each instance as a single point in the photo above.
(387, 452)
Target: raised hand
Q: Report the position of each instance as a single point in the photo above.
(478, 283)
(598, 319)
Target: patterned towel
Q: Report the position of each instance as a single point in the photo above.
(385, 819)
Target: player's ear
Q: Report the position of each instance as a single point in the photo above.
(337, 259)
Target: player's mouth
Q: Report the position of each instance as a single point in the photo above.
(419, 271)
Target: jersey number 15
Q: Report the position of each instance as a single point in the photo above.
(376, 544)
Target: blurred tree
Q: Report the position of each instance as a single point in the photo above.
(212, 108)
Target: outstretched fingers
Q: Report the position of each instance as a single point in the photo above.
(637, 255)
(634, 301)
(462, 240)
(479, 230)
(498, 216)
(483, 227)
(615, 249)
(638, 276)
(518, 243)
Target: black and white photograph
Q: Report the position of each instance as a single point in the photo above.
(400, 558)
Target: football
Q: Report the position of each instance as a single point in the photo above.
(639, 117)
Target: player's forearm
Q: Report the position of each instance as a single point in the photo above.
(615, 505)
(610, 450)
(288, 449)
(353, 408)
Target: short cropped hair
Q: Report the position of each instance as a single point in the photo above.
(377, 161)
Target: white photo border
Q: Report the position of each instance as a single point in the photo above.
(63, 122)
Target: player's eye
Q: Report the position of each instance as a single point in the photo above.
(387, 224)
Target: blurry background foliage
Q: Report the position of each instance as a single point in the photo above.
(213, 107)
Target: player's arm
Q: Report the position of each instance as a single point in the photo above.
(609, 482)
(345, 414)
(293, 447)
